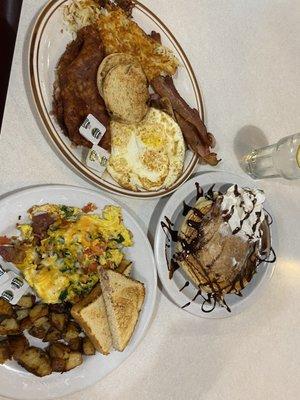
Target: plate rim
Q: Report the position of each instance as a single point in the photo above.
(17, 194)
(247, 301)
(64, 152)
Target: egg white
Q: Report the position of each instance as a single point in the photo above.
(148, 155)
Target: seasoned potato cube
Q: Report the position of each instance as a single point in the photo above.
(22, 313)
(61, 308)
(38, 311)
(26, 301)
(75, 359)
(59, 321)
(5, 353)
(25, 323)
(17, 344)
(58, 364)
(72, 331)
(6, 309)
(88, 347)
(53, 335)
(41, 322)
(9, 326)
(75, 344)
(36, 361)
(38, 332)
(58, 350)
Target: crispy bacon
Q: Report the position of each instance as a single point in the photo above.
(4, 240)
(190, 134)
(41, 223)
(193, 128)
(89, 207)
(12, 253)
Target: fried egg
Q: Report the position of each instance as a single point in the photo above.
(148, 155)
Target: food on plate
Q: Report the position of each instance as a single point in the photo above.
(17, 345)
(192, 126)
(60, 251)
(5, 352)
(88, 347)
(53, 324)
(148, 155)
(9, 326)
(125, 92)
(75, 91)
(6, 309)
(114, 57)
(36, 361)
(110, 62)
(90, 314)
(62, 247)
(120, 34)
(123, 299)
(222, 240)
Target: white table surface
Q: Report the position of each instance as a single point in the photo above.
(246, 55)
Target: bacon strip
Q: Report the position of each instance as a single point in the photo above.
(190, 134)
(11, 253)
(164, 86)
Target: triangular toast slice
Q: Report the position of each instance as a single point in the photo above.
(90, 313)
(123, 298)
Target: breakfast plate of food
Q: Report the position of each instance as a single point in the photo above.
(118, 96)
(214, 245)
(88, 277)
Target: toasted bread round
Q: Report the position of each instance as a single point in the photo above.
(125, 92)
(110, 62)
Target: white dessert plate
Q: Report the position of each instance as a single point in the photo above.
(48, 42)
(176, 287)
(15, 381)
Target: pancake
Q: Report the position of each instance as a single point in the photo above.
(216, 258)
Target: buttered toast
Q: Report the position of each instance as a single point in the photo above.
(123, 299)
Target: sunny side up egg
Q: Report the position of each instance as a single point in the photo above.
(148, 155)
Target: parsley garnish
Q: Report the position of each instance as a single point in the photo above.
(63, 295)
(120, 238)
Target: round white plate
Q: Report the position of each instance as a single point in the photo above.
(173, 210)
(48, 41)
(18, 383)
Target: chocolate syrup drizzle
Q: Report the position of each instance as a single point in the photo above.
(214, 295)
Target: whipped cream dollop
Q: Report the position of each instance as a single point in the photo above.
(242, 210)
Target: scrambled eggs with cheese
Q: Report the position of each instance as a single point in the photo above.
(62, 266)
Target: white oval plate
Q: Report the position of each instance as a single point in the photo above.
(173, 210)
(20, 384)
(48, 42)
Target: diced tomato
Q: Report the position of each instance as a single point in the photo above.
(4, 240)
(97, 249)
(88, 252)
(89, 208)
(64, 223)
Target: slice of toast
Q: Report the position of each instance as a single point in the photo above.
(90, 313)
(123, 298)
